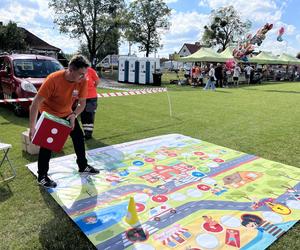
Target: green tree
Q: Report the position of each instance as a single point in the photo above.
(226, 28)
(12, 37)
(110, 46)
(148, 19)
(92, 21)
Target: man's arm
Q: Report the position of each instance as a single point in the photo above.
(34, 108)
(80, 107)
(97, 82)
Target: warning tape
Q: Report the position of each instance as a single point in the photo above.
(135, 92)
(128, 89)
(102, 95)
(16, 100)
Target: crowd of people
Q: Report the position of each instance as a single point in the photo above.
(219, 75)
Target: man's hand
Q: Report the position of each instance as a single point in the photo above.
(33, 114)
(31, 133)
(72, 118)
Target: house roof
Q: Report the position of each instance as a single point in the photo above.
(192, 47)
(35, 42)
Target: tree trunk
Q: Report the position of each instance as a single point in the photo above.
(92, 57)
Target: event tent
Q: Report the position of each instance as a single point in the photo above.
(227, 53)
(204, 55)
(288, 59)
(265, 58)
(209, 55)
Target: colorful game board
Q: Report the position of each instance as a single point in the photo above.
(189, 194)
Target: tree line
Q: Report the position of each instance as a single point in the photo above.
(101, 24)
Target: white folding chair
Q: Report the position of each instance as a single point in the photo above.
(5, 148)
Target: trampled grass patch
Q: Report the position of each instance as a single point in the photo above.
(262, 120)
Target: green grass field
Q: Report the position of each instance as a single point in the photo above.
(263, 120)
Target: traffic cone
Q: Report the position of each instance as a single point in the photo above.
(132, 217)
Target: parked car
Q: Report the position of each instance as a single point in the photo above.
(21, 75)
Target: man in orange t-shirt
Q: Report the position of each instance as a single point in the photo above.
(56, 97)
(88, 114)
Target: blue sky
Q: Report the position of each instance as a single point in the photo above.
(188, 19)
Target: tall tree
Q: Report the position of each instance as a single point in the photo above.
(110, 46)
(225, 28)
(148, 19)
(12, 37)
(92, 21)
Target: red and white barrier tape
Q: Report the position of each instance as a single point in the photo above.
(127, 89)
(16, 100)
(136, 92)
(102, 95)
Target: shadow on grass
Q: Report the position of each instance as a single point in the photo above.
(222, 91)
(252, 89)
(94, 143)
(282, 91)
(143, 131)
(273, 90)
(5, 192)
(8, 114)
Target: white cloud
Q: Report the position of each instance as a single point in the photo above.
(277, 48)
(254, 10)
(39, 21)
(184, 22)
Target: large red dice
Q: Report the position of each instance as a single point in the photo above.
(51, 132)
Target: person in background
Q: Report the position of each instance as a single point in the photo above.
(201, 76)
(248, 69)
(56, 97)
(236, 75)
(211, 79)
(88, 114)
(219, 75)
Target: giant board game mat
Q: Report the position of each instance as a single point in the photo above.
(189, 194)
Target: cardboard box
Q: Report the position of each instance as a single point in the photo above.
(27, 146)
(51, 132)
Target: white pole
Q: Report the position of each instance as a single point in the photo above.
(169, 100)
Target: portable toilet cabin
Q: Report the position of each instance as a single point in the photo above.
(121, 69)
(136, 71)
(142, 71)
(131, 77)
(154, 67)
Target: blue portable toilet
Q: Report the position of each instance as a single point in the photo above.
(137, 69)
(147, 72)
(126, 71)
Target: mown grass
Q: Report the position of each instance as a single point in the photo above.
(261, 120)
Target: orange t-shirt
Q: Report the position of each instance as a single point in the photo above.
(60, 94)
(91, 77)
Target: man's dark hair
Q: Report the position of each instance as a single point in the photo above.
(78, 62)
